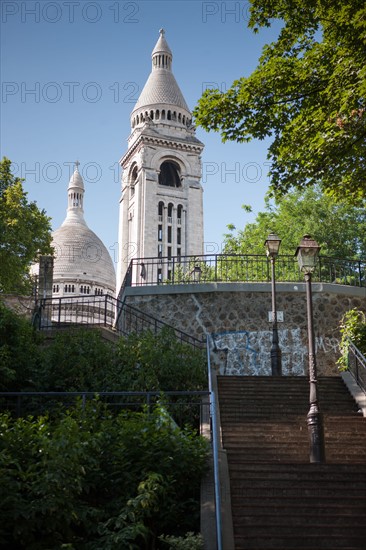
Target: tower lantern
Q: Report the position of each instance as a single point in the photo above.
(161, 211)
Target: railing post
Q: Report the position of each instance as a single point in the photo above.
(105, 310)
(59, 312)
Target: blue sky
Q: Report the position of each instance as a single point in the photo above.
(71, 72)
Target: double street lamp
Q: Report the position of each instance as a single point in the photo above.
(307, 254)
(272, 245)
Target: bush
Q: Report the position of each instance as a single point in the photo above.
(76, 360)
(352, 328)
(189, 542)
(20, 352)
(89, 480)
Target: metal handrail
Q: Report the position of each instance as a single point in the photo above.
(356, 361)
(102, 311)
(215, 450)
(20, 396)
(209, 268)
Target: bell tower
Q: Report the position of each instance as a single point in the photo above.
(161, 212)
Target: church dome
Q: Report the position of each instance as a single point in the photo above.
(82, 262)
(161, 90)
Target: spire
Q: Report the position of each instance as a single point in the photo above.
(161, 92)
(162, 55)
(75, 195)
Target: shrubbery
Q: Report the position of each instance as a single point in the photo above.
(352, 327)
(89, 478)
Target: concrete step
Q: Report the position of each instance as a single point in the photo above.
(279, 500)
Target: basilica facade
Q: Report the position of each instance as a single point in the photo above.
(161, 206)
(161, 210)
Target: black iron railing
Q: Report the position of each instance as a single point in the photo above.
(182, 405)
(357, 365)
(70, 311)
(130, 319)
(103, 311)
(237, 268)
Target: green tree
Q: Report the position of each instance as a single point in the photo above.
(20, 352)
(352, 328)
(25, 230)
(90, 480)
(148, 362)
(77, 360)
(340, 229)
(307, 93)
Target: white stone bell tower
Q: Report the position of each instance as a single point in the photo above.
(161, 212)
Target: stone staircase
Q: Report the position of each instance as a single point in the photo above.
(278, 499)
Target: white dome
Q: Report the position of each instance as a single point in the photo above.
(81, 256)
(81, 259)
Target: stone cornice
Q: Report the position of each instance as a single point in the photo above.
(166, 142)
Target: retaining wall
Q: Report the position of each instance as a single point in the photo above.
(237, 316)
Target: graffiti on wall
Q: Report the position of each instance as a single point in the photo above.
(249, 352)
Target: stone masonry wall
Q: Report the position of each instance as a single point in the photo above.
(237, 318)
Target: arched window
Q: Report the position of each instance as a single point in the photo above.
(160, 211)
(169, 174)
(133, 179)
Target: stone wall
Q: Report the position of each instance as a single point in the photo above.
(22, 305)
(237, 317)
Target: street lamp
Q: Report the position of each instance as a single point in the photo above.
(272, 245)
(307, 254)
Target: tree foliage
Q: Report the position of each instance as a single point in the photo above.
(20, 352)
(307, 94)
(352, 328)
(340, 229)
(80, 360)
(25, 230)
(94, 477)
(88, 480)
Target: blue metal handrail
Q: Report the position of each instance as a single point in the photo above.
(356, 362)
(215, 449)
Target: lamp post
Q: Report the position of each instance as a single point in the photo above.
(272, 245)
(307, 254)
